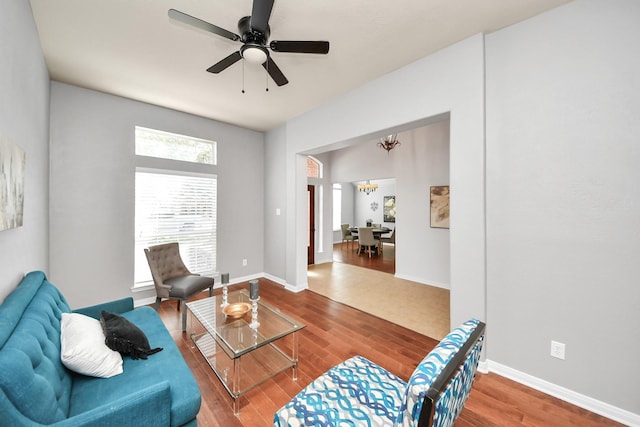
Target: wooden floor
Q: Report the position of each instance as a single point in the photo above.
(336, 332)
(347, 253)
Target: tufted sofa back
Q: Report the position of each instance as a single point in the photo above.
(37, 386)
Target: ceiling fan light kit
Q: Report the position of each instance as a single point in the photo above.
(254, 54)
(255, 33)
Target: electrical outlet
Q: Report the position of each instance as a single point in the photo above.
(244, 262)
(557, 350)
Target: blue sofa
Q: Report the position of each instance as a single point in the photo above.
(37, 389)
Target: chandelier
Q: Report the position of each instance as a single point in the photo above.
(368, 187)
(389, 142)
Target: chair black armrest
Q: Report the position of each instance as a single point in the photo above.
(440, 384)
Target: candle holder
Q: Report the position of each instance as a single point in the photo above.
(254, 336)
(225, 293)
(254, 313)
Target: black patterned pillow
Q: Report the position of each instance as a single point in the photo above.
(123, 336)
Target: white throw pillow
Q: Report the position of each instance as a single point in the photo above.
(83, 348)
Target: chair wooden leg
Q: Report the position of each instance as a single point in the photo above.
(211, 291)
(156, 306)
(178, 306)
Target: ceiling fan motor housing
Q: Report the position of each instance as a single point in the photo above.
(250, 35)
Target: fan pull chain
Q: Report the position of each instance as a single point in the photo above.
(243, 76)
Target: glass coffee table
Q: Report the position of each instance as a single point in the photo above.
(243, 356)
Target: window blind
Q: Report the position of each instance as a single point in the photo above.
(173, 207)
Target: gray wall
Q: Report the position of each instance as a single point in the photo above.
(561, 229)
(417, 95)
(422, 160)
(563, 198)
(275, 260)
(562, 234)
(92, 191)
(24, 120)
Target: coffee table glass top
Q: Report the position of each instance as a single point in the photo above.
(235, 335)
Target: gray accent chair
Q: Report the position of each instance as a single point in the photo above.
(172, 279)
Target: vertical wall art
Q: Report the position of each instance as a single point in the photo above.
(12, 164)
(440, 206)
(389, 209)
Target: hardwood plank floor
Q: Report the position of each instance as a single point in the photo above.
(336, 332)
(385, 262)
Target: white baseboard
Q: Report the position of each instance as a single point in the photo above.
(483, 367)
(143, 301)
(284, 283)
(586, 402)
(486, 366)
(423, 281)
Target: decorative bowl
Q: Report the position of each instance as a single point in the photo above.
(236, 309)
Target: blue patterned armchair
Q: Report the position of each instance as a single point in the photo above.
(357, 392)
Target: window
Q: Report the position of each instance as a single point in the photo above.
(314, 168)
(175, 205)
(337, 207)
(165, 145)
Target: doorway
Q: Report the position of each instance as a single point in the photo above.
(311, 225)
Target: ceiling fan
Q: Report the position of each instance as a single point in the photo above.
(255, 33)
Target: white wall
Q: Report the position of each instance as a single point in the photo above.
(563, 198)
(347, 214)
(450, 81)
(362, 201)
(92, 191)
(24, 120)
(421, 161)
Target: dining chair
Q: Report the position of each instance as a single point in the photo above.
(377, 235)
(390, 239)
(347, 236)
(366, 240)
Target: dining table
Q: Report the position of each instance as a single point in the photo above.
(377, 231)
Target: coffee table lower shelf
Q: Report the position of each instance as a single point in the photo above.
(241, 374)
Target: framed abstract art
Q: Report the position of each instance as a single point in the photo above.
(389, 212)
(12, 164)
(439, 203)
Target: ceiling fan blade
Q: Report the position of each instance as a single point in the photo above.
(203, 25)
(275, 72)
(225, 63)
(300, 46)
(260, 15)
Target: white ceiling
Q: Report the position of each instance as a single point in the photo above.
(132, 49)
